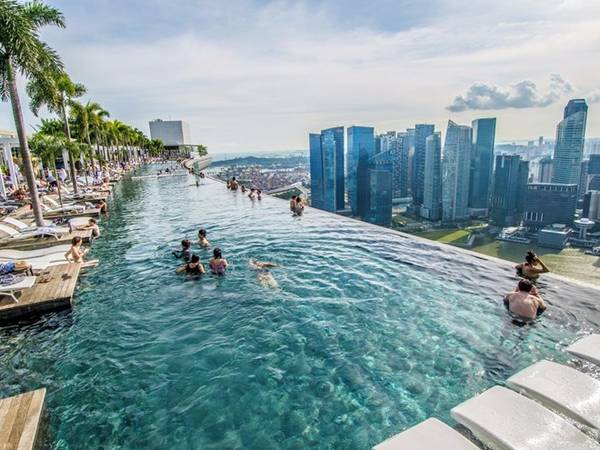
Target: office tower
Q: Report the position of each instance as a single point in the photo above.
(549, 203)
(327, 169)
(456, 164)
(432, 194)
(379, 209)
(401, 165)
(422, 132)
(591, 205)
(583, 179)
(482, 162)
(594, 165)
(570, 137)
(410, 145)
(508, 191)
(545, 170)
(361, 148)
(541, 143)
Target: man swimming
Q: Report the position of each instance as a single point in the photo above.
(185, 252)
(525, 302)
(263, 276)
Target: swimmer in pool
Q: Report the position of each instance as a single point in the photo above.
(263, 276)
(202, 238)
(525, 302)
(194, 267)
(218, 264)
(185, 252)
(532, 268)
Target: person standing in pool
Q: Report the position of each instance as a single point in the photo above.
(532, 268)
(75, 253)
(525, 302)
(293, 203)
(218, 264)
(299, 207)
(194, 267)
(234, 184)
(185, 252)
(202, 238)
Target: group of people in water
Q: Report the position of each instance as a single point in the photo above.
(217, 264)
(526, 302)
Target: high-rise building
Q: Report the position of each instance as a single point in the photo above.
(379, 209)
(583, 179)
(401, 168)
(591, 205)
(361, 148)
(432, 195)
(422, 132)
(410, 145)
(482, 162)
(456, 164)
(327, 169)
(549, 203)
(570, 137)
(508, 191)
(545, 170)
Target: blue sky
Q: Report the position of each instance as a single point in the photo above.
(259, 75)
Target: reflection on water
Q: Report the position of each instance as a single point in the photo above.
(368, 332)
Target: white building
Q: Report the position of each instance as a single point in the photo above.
(172, 133)
(456, 165)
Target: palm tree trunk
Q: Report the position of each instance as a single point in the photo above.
(24, 146)
(63, 111)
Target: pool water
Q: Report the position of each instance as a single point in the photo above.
(368, 332)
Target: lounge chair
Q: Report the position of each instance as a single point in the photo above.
(587, 348)
(428, 435)
(22, 226)
(27, 254)
(562, 389)
(37, 232)
(42, 263)
(55, 206)
(503, 419)
(10, 290)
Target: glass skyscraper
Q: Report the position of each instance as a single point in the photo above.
(509, 190)
(482, 162)
(455, 172)
(432, 194)
(422, 132)
(570, 137)
(361, 148)
(379, 210)
(327, 169)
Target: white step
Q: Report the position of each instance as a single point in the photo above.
(587, 348)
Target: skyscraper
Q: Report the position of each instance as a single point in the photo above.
(397, 146)
(422, 132)
(549, 203)
(455, 172)
(509, 188)
(432, 195)
(379, 209)
(545, 170)
(327, 169)
(482, 162)
(361, 148)
(570, 137)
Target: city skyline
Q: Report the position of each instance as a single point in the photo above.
(253, 67)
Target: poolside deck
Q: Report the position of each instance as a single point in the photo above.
(20, 418)
(52, 291)
(32, 243)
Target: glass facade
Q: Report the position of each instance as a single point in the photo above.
(361, 148)
(509, 189)
(432, 195)
(456, 165)
(380, 189)
(549, 203)
(570, 137)
(482, 162)
(422, 132)
(327, 169)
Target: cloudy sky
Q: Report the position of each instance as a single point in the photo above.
(259, 75)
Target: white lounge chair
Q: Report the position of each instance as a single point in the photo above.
(561, 388)
(587, 348)
(11, 289)
(37, 232)
(428, 435)
(22, 226)
(26, 254)
(503, 419)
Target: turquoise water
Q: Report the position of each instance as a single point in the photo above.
(368, 333)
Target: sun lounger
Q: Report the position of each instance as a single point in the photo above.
(428, 435)
(26, 254)
(11, 289)
(21, 226)
(587, 348)
(562, 389)
(37, 232)
(503, 419)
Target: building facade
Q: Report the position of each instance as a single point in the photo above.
(379, 209)
(456, 165)
(508, 192)
(570, 138)
(545, 170)
(548, 204)
(361, 148)
(482, 162)
(432, 194)
(327, 169)
(422, 132)
(174, 134)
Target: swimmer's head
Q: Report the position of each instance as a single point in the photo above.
(530, 257)
(92, 221)
(186, 243)
(202, 232)
(195, 259)
(525, 285)
(76, 240)
(217, 253)
(293, 197)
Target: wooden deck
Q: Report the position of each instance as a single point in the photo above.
(32, 243)
(92, 212)
(20, 418)
(52, 291)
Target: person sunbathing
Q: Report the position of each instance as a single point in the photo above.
(75, 253)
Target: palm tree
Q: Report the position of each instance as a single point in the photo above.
(21, 50)
(48, 147)
(86, 117)
(55, 90)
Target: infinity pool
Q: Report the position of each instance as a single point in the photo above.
(368, 333)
